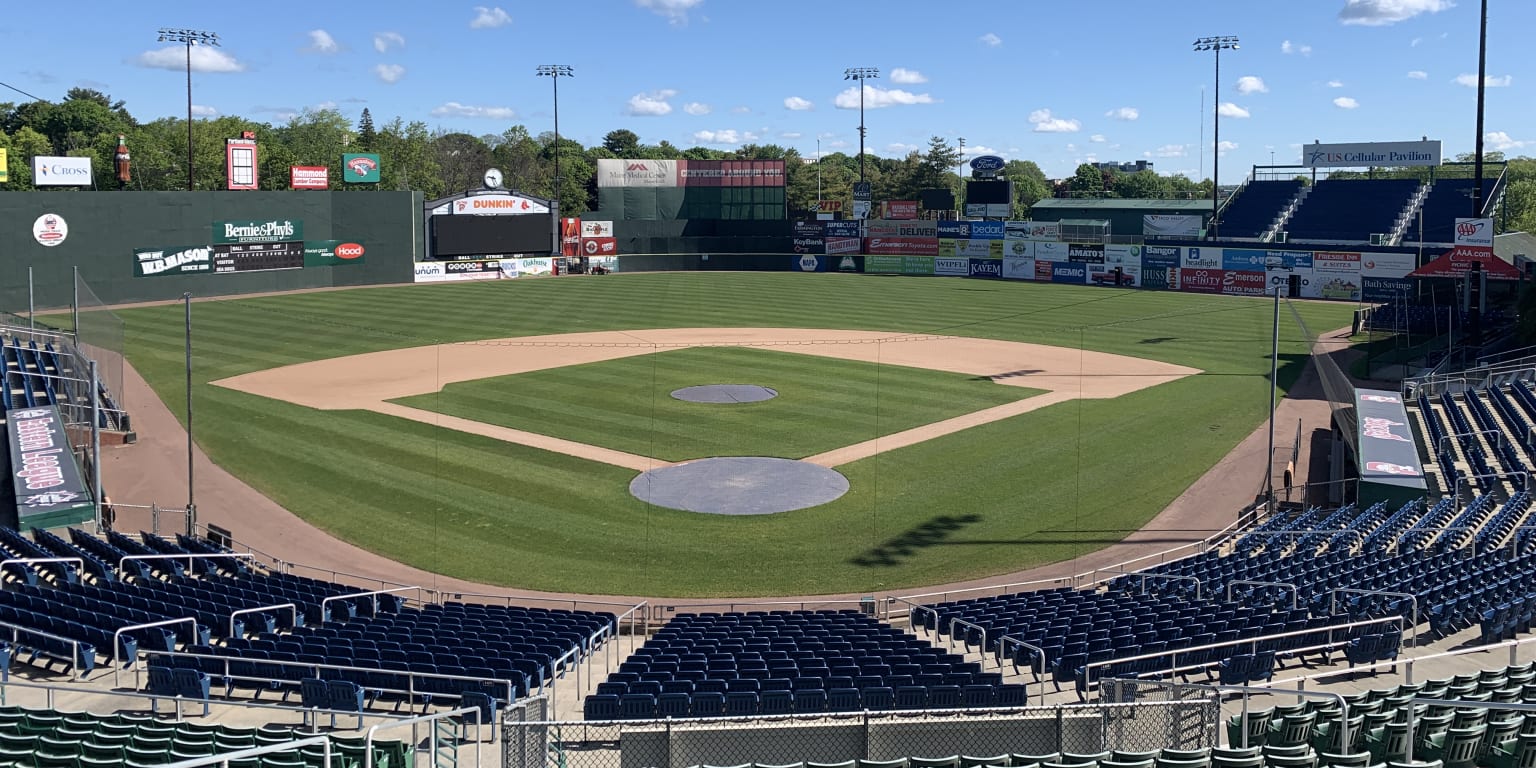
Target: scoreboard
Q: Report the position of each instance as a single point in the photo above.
(256, 257)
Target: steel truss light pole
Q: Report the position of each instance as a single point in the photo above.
(1217, 44)
(189, 37)
(554, 72)
(859, 75)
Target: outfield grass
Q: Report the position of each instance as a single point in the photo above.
(627, 405)
(1044, 486)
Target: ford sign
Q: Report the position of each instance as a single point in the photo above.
(987, 163)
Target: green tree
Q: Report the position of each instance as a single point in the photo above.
(622, 143)
(367, 135)
(1088, 178)
(1029, 185)
(936, 170)
(24, 145)
(461, 159)
(1142, 185)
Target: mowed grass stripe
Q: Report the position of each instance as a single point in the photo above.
(626, 404)
(1051, 484)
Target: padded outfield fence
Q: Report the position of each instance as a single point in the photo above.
(1174, 718)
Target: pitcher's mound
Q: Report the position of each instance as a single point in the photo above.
(725, 393)
(747, 485)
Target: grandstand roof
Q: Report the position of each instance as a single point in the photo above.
(1121, 203)
(1511, 244)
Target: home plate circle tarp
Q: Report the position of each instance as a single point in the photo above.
(745, 485)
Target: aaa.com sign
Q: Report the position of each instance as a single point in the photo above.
(1474, 233)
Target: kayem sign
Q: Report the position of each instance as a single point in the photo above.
(1376, 153)
(43, 467)
(61, 172)
(309, 177)
(360, 168)
(498, 204)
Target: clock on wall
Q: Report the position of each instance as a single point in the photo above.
(492, 178)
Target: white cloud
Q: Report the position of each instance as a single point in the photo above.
(383, 41)
(1490, 81)
(697, 108)
(1335, 84)
(489, 18)
(1044, 122)
(991, 39)
(898, 148)
(837, 144)
(651, 104)
(790, 135)
(675, 11)
(455, 109)
(1097, 138)
(326, 105)
(1414, 43)
(201, 110)
(876, 97)
(389, 73)
(1124, 113)
(1500, 141)
(1419, 74)
(1228, 109)
(1288, 47)
(204, 59)
(979, 150)
(1376, 13)
(1224, 147)
(320, 41)
(1171, 150)
(1345, 102)
(904, 76)
(728, 136)
(797, 104)
(1251, 84)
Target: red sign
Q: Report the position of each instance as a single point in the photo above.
(599, 246)
(349, 251)
(570, 236)
(829, 206)
(1459, 260)
(309, 177)
(901, 209)
(902, 246)
(1234, 283)
(240, 161)
(1043, 271)
(1201, 280)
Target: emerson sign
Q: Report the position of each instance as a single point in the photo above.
(1370, 154)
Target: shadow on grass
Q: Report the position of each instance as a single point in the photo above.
(891, 553)
(1007, 375)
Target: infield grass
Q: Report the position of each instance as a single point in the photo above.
(626, 404)
(1048, 485)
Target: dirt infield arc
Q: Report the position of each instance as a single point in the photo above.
(369, 381)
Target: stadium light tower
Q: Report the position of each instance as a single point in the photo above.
(189, 37)
(554, 72)
(1217, 44)
(859, 75)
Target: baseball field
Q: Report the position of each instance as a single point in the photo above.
(489, 431)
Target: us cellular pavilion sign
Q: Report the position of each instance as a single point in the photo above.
(1376, 153)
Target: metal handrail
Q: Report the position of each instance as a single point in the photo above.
(1250, 641)
(1144, 576)
(1413, 703)
(1039, 665)
(1440, 446)
(972, 625)
(1525, 482)
(1295, 593)
(371, 593)
(913, 608)
(74, 690)
(241, 754)
(1245, 690)
(554, 669)
(190, 556)
(1408, 663)
(442, 595)
(118, 633)
(33, 560)
(293, 608)
(1413, 621)
(412, 721)
(74, 644)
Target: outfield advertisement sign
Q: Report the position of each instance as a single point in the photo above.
(1032, 230)
(1018, 268)
(1163, 256)
(1387, 451)
(954, 230)
(898, 265)
(1375, 153)
(1385, 288)
(1104, 274)
(1165, 225)
(1125, 255)
(987, 268)
(841, 244)
(1085, 254)
(1161, 278)
(689, 173)
(1019, 249)
(1051, 251)
(458, 271)
(980, 249)
(1067, 272)
(1200, 280)
(988, 230)
(951, 267)
(1243, 283)
(360, 168)
(841, 229)
(899, 245)
(1243, 259)
(1201, 258)
(46, 477)
(901, 228)
(182, 260)
(172, 260)
(1387, 264)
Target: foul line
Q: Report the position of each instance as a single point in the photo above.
(520, 437)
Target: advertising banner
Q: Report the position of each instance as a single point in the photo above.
(1238, 283)
(863, 190)
(61, 171)
(257, 231)
(988, 210)
(727, 173)
(596, 228)
(1474, 233)
(901, 209)
(172, 260)
(988, 230)
(1019, 248)
(912, 246)
(360, 168)
(457, 271)
(240, 162)
(1280, 280)
(570, 236)
(5, 165)
(1044, 270)
(1164, 225)
(955, 230)
(1032, 230)
(332, 253)
(1333, 285)
(810, 245)
(1046, 250)
(951, 267)
(807, 229)
(1201, 258)
(1164, 256)
(862, 209)
(1161, 278)
(1123, 255)
(898, 265)
(539, 265)
(1104, 274)
(1359, 155)
(841, 228)
(1385, 288)
(808, 263)
(891, 228)
(1085, 253)
(309, 177)
(1249, 260)
(841, 244)
(1018, 268)
(987, 268)
(1337, 262)
(1387, 264)
(829, 206)
(1387, 451)
(50, 229)
(1064, 272)
(636, 173)
(498, 204)
(980, 249)
(47, 480)
(1200, 280)
(599, 246)
(1458, 261)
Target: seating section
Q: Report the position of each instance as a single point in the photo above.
(782, 662)
(1256, 207)
(33, 375)
(51, 739)
(1350, 210)
(1448, 200)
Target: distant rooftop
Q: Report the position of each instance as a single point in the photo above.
(1121, 204)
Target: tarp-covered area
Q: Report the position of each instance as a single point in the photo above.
(1390, 467)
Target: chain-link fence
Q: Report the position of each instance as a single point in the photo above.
(1151, 715)
(99, 336)
(1336, 384)
(977, 737)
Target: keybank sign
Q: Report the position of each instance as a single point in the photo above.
(61, 171)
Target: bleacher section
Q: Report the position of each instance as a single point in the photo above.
(1448, 200)
(1350, 211)
(35, 375)
(745, 664)
(1254, 210)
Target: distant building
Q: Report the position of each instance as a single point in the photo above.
(1135, 167)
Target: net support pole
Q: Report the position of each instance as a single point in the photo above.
(186, 299)
(96, 493)
(1274, 383)
(74, 307)
(31, 302)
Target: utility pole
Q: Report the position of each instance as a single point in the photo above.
(554, 72)
(1217, 44)
(859, 75)
(189, 37)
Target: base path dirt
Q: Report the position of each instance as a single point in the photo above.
(155, 470)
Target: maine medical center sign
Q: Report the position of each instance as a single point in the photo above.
(1376, 153)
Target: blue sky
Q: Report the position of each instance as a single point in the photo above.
(1055, 82)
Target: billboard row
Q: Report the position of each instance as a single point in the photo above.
(690, 173)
